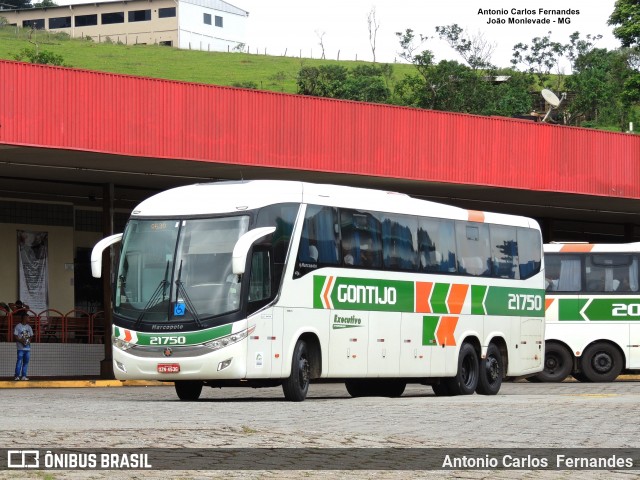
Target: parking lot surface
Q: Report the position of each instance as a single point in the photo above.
(523, 416)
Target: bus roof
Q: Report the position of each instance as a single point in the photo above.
(237, 196)
(591, 247)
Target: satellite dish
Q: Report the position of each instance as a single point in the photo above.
(550, 97)
(552, 100)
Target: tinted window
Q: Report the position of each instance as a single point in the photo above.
(59, 22)
(529, 252)
(473, 248)
(167, 12)
(37, 24)
(109, 18)
(319, 240)
(361, 245)
(139, 15)
(611, 273)
(218, 21)
(504, 252)
(437, 245)
(86, 20)
(206, 18)
(399, 241)
(563, 273)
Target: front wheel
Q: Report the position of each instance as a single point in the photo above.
(601, 362)
(490, 378)
(466, 380)
(295, 387)
(188, 390)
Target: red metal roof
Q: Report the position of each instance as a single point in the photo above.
(55, 107)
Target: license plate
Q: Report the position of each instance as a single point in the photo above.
(168, 367)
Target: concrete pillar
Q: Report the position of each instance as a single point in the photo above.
(106, 365)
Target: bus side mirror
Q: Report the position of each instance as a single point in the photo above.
(96, 253)
(239, 256)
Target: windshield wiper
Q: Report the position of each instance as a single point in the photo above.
(187, 300)
(155, 297)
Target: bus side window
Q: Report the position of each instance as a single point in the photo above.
(319, 240)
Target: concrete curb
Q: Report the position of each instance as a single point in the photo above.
(81, 383)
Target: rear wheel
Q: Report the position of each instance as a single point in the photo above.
(188, 390)
(558, 363)
(491, 369)
(295, 387)
(601, 362)
(466, 380)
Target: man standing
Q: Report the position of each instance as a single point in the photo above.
(22, 335)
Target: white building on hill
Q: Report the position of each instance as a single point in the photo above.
(210, 25)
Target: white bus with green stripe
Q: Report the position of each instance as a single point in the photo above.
(592, 311)
(266, 283)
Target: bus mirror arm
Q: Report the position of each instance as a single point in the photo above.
(96, 253)
(239, 256)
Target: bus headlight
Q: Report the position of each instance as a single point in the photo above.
(222, 342)
(122, 345)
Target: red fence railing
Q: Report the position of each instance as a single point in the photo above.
(53, 326)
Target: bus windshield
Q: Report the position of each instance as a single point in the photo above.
(178, 270)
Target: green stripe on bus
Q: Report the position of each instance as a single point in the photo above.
(613, 309)
(186, 338)
(429, 325)
(515, 301)
(318, 283)
(569, 309)
(477, 298)
(439, 298)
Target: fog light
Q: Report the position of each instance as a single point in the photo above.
(224, 364)
(121, 367)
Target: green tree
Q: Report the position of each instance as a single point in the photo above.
(45, 4)
(364, 83)
(475, 50)
(598, 83)
(626, 18)
(18, 3)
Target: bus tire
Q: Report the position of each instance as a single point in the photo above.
(491, 370)
(558, 363)
(466, 380)
(375, 388)
(358, 388)
(392, 388)
(441, 389)
(601, 362)
(188, 390)
(580, 377)
(295, 387)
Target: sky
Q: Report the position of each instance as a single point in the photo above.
(296, 26)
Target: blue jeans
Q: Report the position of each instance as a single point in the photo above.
(22, 364)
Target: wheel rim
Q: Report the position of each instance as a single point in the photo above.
(468, 371)
(551, 363)
(303, 372)
(602, 362)
(492, 369)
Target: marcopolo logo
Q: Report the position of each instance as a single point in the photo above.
(346, 322)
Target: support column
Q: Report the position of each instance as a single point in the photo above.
(106, 365)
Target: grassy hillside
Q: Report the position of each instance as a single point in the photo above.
(217, 68)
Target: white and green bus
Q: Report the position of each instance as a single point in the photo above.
(266, 283)
(592, 311)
